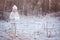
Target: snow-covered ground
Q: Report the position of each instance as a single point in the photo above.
(32, 28)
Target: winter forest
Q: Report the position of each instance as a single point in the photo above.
(39, 20)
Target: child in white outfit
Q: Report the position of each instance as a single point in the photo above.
(14, 19)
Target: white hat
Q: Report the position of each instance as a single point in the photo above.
(14, 7)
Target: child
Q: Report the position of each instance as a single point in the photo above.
(14, 19)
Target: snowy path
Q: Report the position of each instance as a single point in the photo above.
(32, 28)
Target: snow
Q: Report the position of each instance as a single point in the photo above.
(32, 28)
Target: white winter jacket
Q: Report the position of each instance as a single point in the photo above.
(14, 17)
